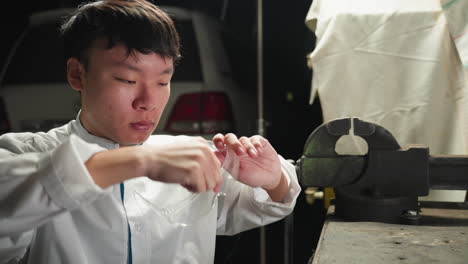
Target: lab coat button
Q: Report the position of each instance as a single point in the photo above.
(138, 227)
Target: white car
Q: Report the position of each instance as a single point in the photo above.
(205, 98)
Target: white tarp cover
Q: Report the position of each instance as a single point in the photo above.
(400, 64)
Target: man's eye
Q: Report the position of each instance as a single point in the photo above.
(125, 81)
(164, 84)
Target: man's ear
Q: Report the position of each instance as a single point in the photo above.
(75, 74)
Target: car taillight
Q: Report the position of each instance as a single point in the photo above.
(201, 113)
(4, 121)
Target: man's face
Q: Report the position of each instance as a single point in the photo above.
(123, 96)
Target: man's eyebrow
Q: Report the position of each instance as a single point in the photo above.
(128, 66)
(169, 70)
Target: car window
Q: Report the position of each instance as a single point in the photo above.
(189, 68)
(39, 57)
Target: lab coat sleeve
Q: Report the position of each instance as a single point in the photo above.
(245, 207)
(37, 186)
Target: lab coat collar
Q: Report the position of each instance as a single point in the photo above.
(78, 129)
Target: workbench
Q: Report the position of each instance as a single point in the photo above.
(441, 237)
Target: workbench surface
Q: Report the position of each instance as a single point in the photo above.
(442, 237)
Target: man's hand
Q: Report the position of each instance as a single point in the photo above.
(191, 163)
(259, 164)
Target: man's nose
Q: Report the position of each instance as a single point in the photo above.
(145, 100)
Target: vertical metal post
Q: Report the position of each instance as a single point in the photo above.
(288, 239)
(224, 10)
(261, 122)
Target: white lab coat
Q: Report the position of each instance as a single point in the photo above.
(50, 204)
(394, 63)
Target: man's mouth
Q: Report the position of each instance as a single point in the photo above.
(142, 125)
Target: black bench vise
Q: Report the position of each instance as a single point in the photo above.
(384, 184)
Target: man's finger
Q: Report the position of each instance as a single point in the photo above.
(218, 141)
(217, 188)
(248, 146)
(210, 181)
(221, 155)
(232, 142)
(212, 169)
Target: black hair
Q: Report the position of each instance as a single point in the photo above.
(137, 24)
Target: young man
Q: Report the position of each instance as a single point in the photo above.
(101, 189)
